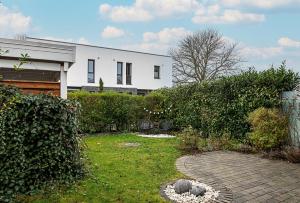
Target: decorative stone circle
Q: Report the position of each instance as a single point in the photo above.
(214, 193)
(156, 136)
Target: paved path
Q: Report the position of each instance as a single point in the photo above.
(251, 178)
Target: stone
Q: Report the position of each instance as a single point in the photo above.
(182, 186)
(198, 191)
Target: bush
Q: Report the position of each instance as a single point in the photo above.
(39, 144)
(155, 103)
(189, 139)
(269, 128)
(6, 93)
(101, 111)
(222, 106)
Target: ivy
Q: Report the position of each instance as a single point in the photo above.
(39, 144)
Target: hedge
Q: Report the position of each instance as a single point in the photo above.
(222, 106)
(102, 111)
(112, 111)
(39, 144)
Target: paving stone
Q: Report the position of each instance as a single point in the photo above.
(250, 178)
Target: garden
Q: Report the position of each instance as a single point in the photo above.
(88, 148)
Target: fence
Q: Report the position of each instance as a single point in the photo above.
(35, 87)
(291, 105)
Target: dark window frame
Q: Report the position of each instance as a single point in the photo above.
(93, 72)
(157, 77)
(120, 82)
(129, 76)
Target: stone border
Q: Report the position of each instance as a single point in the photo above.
(225, 194)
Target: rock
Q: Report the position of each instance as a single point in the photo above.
(182, 186)
(198, 191)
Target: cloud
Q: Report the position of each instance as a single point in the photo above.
(260, 52)
(204, 11)
(264, 4)
(13, 22)
(166, 35)
(146, 10)
(214, 14)
(287, 42)
(159, 42)
(112, 32)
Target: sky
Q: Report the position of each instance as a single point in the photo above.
(267, 31)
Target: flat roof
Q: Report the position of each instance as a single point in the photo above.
(38, 50)
(73, 43)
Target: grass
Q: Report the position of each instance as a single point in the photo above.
(122, 174)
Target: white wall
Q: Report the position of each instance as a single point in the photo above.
(106, 68)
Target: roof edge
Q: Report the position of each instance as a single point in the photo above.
(95, 46)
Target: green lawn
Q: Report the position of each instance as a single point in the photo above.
(123, 174)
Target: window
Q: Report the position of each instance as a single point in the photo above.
(128, 73)
(156, 72)
(91, 71)
(119, 73)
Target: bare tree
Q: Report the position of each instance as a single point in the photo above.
(204, 55)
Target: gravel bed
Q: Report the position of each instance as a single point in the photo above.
(156, 136)
(209, 196)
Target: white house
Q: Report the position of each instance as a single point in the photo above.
(120, 70)
(45, 71)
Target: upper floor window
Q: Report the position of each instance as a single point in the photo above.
(156, 72)
(128, 73)
(91, 71)
(119, 73)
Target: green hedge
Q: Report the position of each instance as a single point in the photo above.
(39, 144)
(6, 93)
(107, 111)
(102, 111)
(222, 106)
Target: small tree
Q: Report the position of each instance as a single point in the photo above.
(101, 85)
(204, 55)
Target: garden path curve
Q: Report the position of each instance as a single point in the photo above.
(251, 178)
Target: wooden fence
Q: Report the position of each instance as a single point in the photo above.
(35, 87)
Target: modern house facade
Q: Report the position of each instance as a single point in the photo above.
(120, 70)
(45, 71)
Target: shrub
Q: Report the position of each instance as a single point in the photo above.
(222, 106)
(100, 111)
(269, 128)
(189, 139)
(6, 93)
(155, 106)
(39, 144)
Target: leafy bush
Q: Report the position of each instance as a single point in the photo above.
(155, 103)
(269, 128)
(101, 111)
(6, 93)
(39, 144)
(222, 106)
(189, 139)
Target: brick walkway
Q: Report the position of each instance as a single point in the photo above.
(251, 179)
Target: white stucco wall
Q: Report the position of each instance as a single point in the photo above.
(106, 68)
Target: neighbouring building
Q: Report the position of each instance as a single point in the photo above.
(46, 70)
(120, 70)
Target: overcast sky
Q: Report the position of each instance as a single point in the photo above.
(268, 31)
